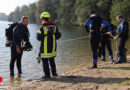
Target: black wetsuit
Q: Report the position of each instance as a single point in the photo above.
(94, 23)
(20, 34)
(106, 39)
(122, 32)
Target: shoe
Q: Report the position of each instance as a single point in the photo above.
(54, 74)
(112, 60)
(118, 62)
(19, 75)
(103, 60)
(125, 60)
(93, 67)
(46, 77)
(11, 76)
(11, 79)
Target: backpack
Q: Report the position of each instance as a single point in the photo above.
(103, 29)
(9, 33)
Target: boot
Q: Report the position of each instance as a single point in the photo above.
(93, 67)
(19, 75)
(118, 62)
(112, 60)
(54, 74)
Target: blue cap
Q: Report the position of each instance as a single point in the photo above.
(91, 12)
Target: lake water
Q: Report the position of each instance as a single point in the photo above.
(71, 55)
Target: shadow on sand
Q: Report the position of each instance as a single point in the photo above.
(117, 68)
(85, 79)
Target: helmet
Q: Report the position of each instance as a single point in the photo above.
(45, 15)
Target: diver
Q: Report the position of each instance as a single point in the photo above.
(122, 36)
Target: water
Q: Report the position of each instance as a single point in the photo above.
(71, 54)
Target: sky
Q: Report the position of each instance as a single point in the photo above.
(7, 6)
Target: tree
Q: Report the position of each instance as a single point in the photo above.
(120, 8)
(31, 12)
(3, 17)
(74, 12)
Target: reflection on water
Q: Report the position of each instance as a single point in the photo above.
(71, 54)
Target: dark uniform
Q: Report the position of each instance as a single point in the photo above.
(20, 35)
(105, 39)
(94, 23)
(48, 34)
(122, 32)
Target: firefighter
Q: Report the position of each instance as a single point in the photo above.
(48, 34)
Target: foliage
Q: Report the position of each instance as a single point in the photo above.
(74, 12)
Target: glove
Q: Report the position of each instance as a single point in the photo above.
(39, 60)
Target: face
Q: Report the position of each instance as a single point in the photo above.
(118, 19)
(91, 15)
(25, 22)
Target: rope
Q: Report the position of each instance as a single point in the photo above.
(60, 41)
(73, 39)
(117, 45)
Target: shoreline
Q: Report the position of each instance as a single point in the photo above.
(106, 77)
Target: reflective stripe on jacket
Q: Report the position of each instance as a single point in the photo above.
(48, 34)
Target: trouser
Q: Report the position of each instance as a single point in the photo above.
(99, 51)
(15, 57)
(94, 43)
(106, 42)
(121, 48)
(46, 68)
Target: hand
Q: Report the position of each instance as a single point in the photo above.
(39, 61)
(108, 33)
(115, 38)
(18, 50)
(91, 31)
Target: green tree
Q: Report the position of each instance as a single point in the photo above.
(74, 12)
(31, 12)
(16, 15)
(120, 8)
(3, 17)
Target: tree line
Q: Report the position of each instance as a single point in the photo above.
(74, 12)
(3, 17)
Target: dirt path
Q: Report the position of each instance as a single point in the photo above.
(107, 77)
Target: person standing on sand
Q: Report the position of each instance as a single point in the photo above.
(106, 40)
(48, 34)
(93, 26)
(122, 36)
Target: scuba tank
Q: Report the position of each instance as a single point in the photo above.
(9, 34)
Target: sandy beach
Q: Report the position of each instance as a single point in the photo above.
(107, 77)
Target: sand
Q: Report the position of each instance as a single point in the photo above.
(106, 77)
